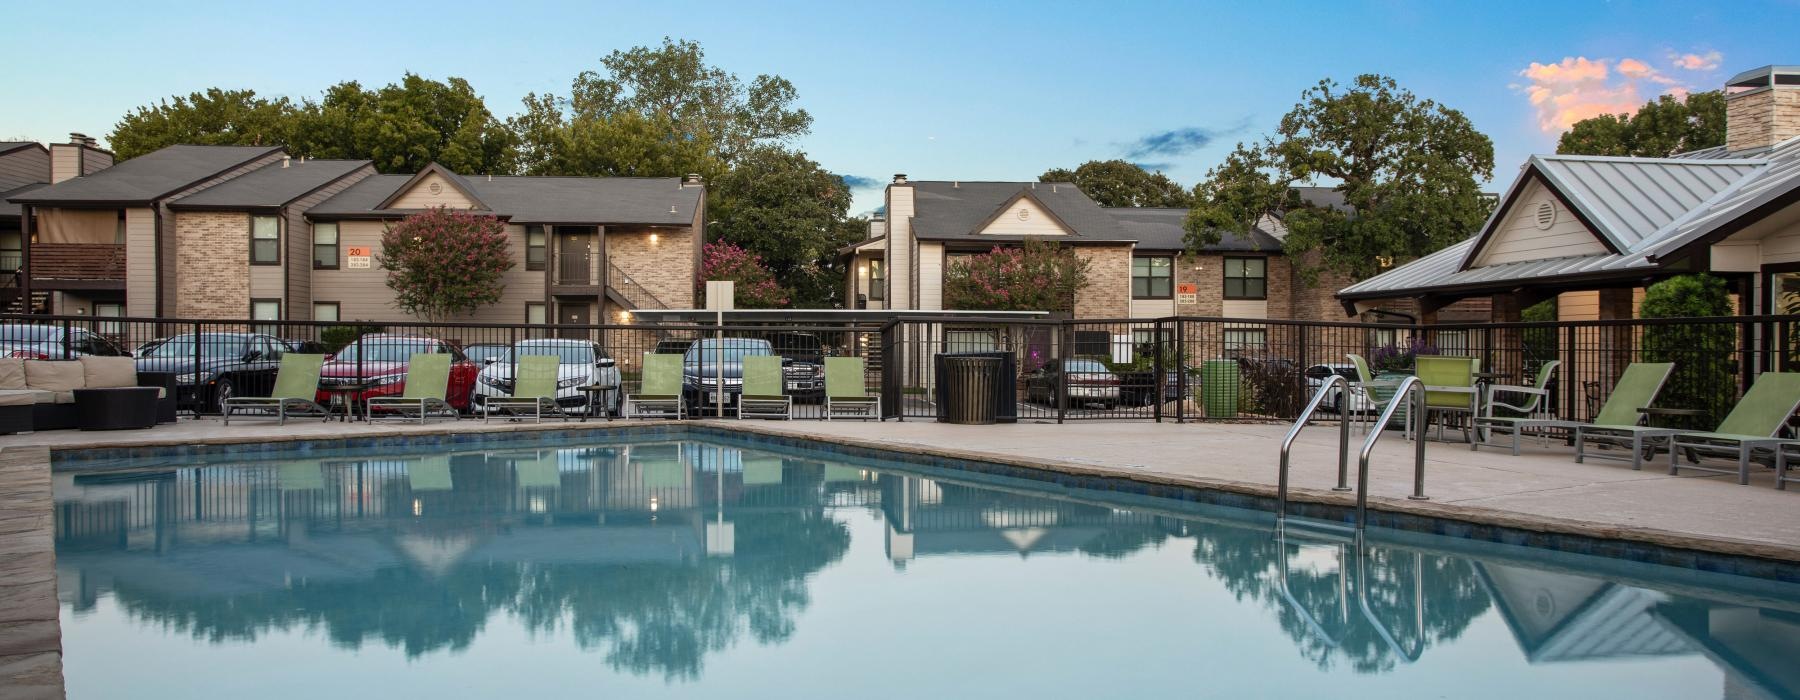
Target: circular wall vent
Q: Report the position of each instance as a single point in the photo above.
(1024, 213)
(435, 188)
(1546, 216)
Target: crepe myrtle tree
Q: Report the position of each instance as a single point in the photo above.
(1038, 276)
(443, 262)
(756, 287)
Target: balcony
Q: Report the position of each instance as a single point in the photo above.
(77, 266)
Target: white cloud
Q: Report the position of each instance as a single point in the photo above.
(1578, 87)
(1696, 61)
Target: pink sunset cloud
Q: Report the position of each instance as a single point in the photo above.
(1696, 61)
(1578, 87)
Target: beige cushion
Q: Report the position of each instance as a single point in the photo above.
(101, 372)
(53, 375)
(62, 396)
(19, 397)
(12, 373)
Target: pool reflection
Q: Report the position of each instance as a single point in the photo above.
(655, 556)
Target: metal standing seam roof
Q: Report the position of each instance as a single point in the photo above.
(271, 185)
(946, 210)
(1650, 208)
(1160, 228)
(149, 177)
(529, 199)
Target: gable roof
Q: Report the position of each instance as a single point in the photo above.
(549, 200)
(149, 177)
(959, 210)
(456, 181)
(10, 146)
(1160, 229)
(270, 186)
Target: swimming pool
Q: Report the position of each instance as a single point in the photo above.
(649, 568)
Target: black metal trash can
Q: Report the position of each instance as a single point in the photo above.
(1005, 391)
(972, 382)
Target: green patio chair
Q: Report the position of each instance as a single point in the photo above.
(845, 392)
(1617, 420)
(1449, 388)
(537, 471)
(1534, 410)
(1751, 425)
(534, 389)
(1366, 387)
(763, 384)
(427, 381)
(296, 385)
(659, 394)
(430, 474)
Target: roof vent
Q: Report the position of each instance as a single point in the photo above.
(286, 161)
(955, 184)
(692, 179)
(672, 209)
(899, 178)
(1546, 216)
(78, 138)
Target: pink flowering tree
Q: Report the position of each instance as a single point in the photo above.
(442, 262)
(756, 286)
(1038, 276)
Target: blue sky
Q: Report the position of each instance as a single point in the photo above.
(971, 91)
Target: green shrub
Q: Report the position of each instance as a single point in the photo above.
(1540, 343)
(336, 337)
(1703, 353)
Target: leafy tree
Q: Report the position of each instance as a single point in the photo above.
(626, 144)
(756, 286)
(1662, 127)
(215, 117)
(443, 262)
(1704, 376)
(1116, 183)
(1039, 276)
(406, 126)
(1409, 171)
(789, 210)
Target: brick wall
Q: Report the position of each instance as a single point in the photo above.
(212, 258)
(1209, 283)
(1108, 294)
(667, 267)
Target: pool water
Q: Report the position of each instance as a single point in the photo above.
(700, 569)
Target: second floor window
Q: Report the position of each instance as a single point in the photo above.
(265, 240)
(1246, 278)
(877, 280)
(536, 248)
(1152, 278)
(325, 245)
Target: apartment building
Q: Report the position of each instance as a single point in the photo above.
(25, 167)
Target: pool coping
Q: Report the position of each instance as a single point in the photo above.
(1669, 547)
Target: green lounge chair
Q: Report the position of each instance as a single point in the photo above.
(296, 384)
(659, 394)
(1365, 386)
(1618, 418)
(1449, 388)
(844, 390)
(1751, 425)
(534, 389)
(427, 380)
(1536, 409)
(763, 384)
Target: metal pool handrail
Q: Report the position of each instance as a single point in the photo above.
(1287, 442)
(1306, 616)
(1362, 600)
(1415, 389)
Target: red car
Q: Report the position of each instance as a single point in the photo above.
(381, 360)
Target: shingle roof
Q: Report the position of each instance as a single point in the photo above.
(10, 146)
(959, 210)
(9, 210)
(1156, 228)
(1650, 209)
(270, 186)
(568, 200)
(151, 176)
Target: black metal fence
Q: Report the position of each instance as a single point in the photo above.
(1177, 369)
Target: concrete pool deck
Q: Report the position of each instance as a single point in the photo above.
(1540, 490)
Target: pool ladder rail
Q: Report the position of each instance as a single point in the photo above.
(1412, 389)
(1359, 547)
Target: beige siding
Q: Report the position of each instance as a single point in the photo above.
(1578, 306)
(899, 246)
(1152, 308)
(1518, 237)
(299, 244)
(23, 167)
(1782, 246)
(363, 294)
(140, 262)
(65, 162)
(931, 276)
(1246, 308)
(1025, 218)
(95, 160)
(421, 196)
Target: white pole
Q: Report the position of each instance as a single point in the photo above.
(719, 298)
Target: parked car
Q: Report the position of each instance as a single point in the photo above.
(802, 364)
(48, 342)
(582, 363)
(1336, 403)
(222, 366)
(1090, 382)
(310, 347)
(483, 354)
(382, 359)
(710, 359)
(673, 346)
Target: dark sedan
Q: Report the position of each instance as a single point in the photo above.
(217, 367)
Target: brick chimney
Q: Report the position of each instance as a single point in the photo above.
(1762, 107)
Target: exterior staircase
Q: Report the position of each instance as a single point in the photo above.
(627, 293)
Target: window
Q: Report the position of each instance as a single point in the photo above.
(325, 311)
(265, 240)
(877, 280)
(536, 251)
(119, 230)
(1246, 278)
(1152, 278)
(266, 310)
(325, 245)
(534, 313)
(109, 310)
(1246, 339)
